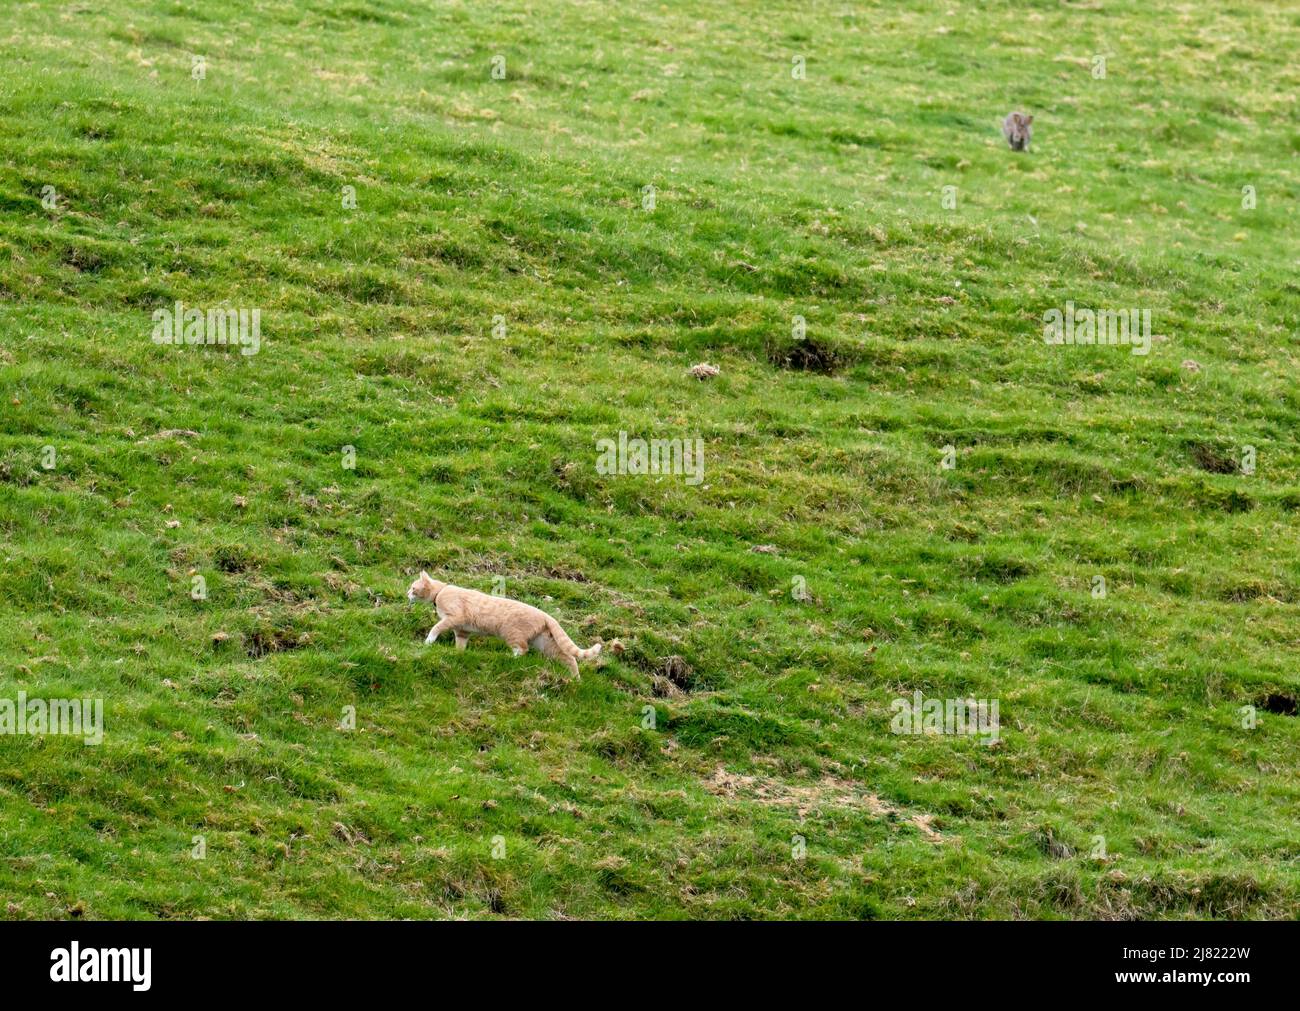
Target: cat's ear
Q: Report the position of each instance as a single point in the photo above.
(423, 574)
(1029, 119)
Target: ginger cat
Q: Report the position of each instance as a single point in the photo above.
(468, 612)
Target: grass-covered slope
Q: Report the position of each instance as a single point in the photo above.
(475, 784)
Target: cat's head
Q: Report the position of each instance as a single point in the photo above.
(425, 587)
(1018, 131)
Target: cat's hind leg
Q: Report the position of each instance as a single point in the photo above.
(547, 646)
(462, 640)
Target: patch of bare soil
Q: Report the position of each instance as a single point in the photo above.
(827, 792)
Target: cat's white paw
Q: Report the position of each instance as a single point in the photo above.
(430, 639)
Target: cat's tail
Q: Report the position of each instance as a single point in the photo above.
(567, 645)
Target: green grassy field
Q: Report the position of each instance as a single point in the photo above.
(505, 293)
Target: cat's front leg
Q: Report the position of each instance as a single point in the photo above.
(436, 631)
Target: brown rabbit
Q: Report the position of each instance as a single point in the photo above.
(1017, 129)
(468, 612)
